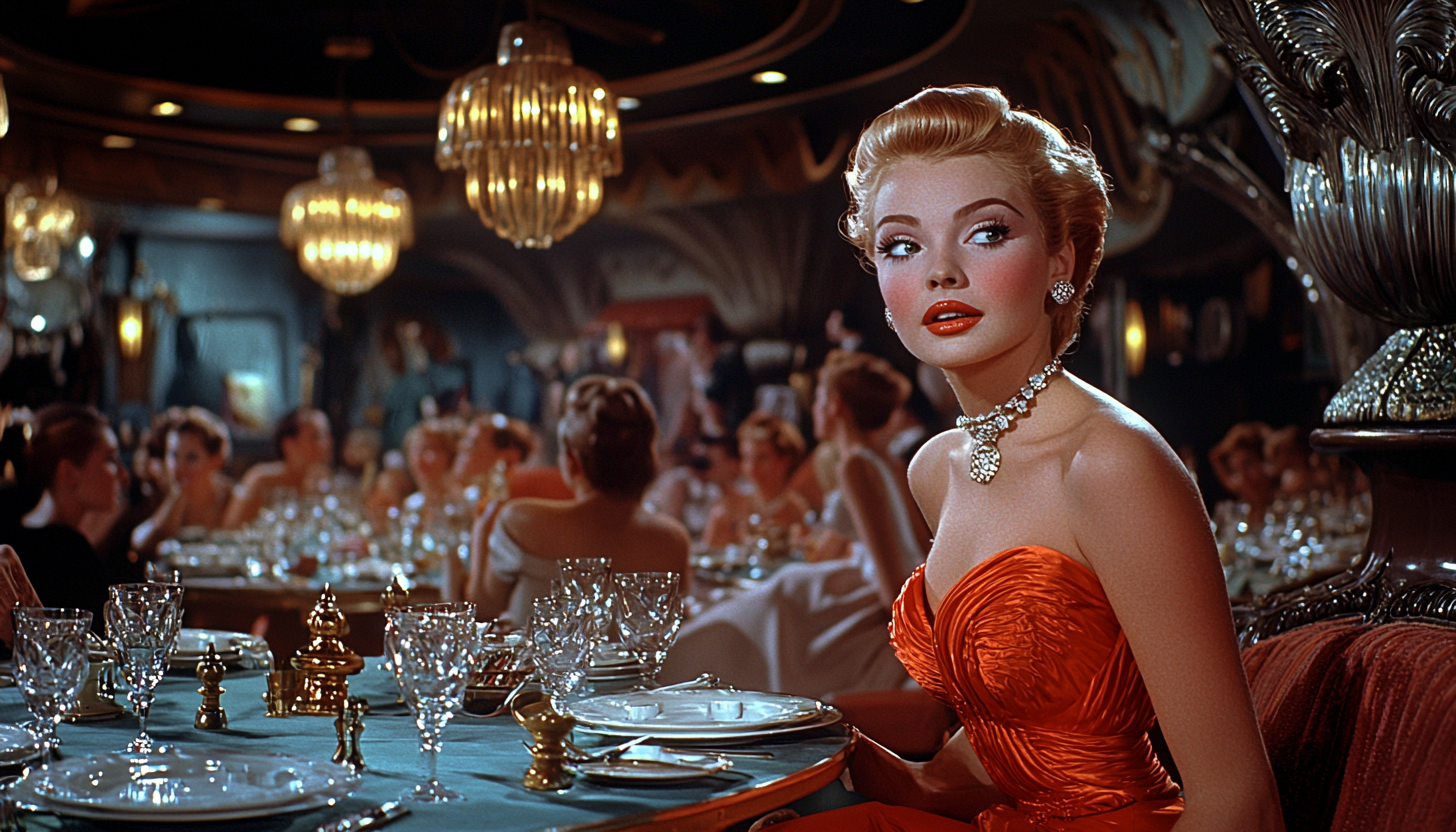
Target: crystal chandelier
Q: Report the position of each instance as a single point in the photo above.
(348, 227)
(535, 135)
(39, 226)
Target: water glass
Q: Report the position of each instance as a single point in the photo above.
(649, 616)
(587, 584)
(142, 621)
(560, 639)
(432, 648)
(51, 661)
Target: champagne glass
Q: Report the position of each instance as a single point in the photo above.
(649, 616)
(432, 647)
(142, 621)
(50, 664)
(560, 640)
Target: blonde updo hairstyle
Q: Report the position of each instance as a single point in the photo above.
(1067, 189)
(609, 425)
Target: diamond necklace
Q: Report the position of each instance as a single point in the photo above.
(986, 430)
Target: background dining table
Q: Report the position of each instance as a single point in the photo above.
(482, 757)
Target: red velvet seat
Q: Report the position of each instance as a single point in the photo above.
(1360, 724)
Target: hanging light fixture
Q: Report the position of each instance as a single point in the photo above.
(535, 134)
(348, 226)
(39, 225)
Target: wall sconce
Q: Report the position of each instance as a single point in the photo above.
(1134, 338)
(130, 328)
(616, 345)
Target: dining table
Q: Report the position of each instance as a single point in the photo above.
(485, 759)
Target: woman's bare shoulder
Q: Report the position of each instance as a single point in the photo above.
(929, 472)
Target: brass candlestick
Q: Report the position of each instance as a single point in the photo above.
(348, 726)
(210, 715)
(325, 661)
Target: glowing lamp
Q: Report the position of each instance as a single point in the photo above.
(1134, 338)
(130, 327)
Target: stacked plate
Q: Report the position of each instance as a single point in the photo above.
(233, 648)
(611, 664)
(184, 786)
(701, 714)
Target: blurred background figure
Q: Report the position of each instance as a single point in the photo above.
(688, 492)
(608, 437)
(769, 450)
(1238, 462)
(15, 591)
(817, 629)
(305, 449)
(429, 450)
(75, 465)
(198, 446)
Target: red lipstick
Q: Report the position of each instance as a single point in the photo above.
(950, 317)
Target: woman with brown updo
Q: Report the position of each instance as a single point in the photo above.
(608, 438)
(197, 491)
(769, 449)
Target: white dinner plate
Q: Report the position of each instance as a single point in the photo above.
(17, 744)
(828, 715)
(186, 783)
(653, 765)
(693, 711)
(192, 643)
(32, 801)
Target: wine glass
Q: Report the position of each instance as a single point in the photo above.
(142, 621)
(51, 660)
(587, 584)
(560, 640)
(649, 616)
(432, 648)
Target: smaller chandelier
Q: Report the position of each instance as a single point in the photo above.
(535, 134)
(348, 227)
(39, 226)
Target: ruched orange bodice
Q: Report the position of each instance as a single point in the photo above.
(1027, 650)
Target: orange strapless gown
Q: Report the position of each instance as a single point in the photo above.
(1026, 649)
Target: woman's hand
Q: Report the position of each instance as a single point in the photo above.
(953, 783)
(15, 590)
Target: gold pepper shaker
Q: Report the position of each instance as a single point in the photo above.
(325, 661)
(358, 706)
(210, 715)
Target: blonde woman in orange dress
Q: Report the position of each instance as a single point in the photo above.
(1073, 591)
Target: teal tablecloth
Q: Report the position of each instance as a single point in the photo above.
(482, 758)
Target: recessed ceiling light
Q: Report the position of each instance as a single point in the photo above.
(118, 142)
(769, 76)
(301, 125)
(166, 108)
(627, 102)
(211, 203)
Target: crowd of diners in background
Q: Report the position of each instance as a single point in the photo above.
(822, 466)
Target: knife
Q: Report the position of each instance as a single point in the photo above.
(368, 819)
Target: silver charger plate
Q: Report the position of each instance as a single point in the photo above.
(185, 785)
(693, 710)
(659, 767)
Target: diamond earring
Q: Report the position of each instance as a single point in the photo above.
(889, 321)
(1062, 292)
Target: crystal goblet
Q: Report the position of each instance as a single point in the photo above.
(432, 648)
(560, 639)
(587, 584)
(649, 616)
(51, 660)
(142, 622)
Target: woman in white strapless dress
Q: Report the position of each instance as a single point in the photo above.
(817, 629)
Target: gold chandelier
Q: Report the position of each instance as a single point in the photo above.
(348, 227)
(40, 224)
(535, 134)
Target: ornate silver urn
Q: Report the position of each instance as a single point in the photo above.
(1362, 97)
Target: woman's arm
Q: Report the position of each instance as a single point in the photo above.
(1140, 523)
(163, 523)
(15, 591)
(953, 783)
(486, 588)
(722, 526)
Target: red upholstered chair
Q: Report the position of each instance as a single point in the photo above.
(1359, 714)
